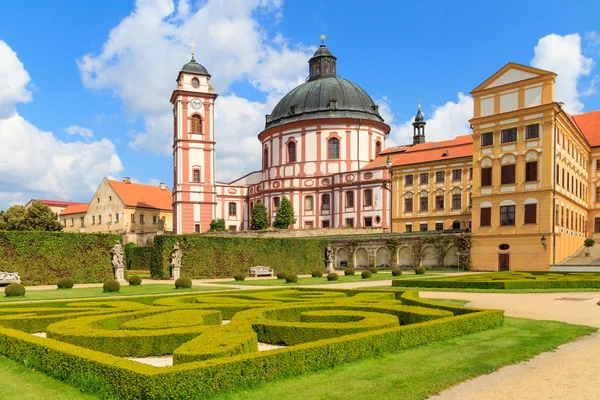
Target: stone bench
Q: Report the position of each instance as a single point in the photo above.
(261, 271)
(6, 278)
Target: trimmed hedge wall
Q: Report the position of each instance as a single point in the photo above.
(222, 257)
(138, 258)
(41, 258)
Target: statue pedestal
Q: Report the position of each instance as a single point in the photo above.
(329, 267)
(120, 274)
(175, 273)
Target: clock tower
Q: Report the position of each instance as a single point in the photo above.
(194, 193)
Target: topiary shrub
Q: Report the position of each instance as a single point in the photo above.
(317, 274)
(333, 277)
(111, 286)
(291, 278)
(373, 270)
(134, 280)
(281, 275)
(14, 289)
(349, 271)
(420, 270)
(396, 272)
(239, 277)
(65, 283)
(366, 274)
(183, 283)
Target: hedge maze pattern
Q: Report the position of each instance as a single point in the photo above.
(318, 327)
(510, 280)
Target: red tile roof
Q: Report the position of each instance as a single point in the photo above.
(589, 123)
(54, 203)
(397, 149)
(75, 209)
(381, 160)
(459, 147)
(146, 196)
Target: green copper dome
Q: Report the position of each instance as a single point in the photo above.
(194, 68)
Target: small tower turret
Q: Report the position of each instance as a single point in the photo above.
(322, 63)
(419, 128)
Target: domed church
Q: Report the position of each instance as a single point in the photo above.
(322, 147)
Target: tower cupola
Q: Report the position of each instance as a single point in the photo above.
(419, 127)
(322, 63)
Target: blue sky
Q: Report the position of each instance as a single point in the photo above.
(85, 86)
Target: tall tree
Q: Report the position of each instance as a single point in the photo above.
(13, 219)
(285, 215)
(259, 219)
(39, 217)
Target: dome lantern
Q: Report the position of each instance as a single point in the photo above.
(322, 63)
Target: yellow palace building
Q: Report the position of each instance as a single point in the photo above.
(526, 182)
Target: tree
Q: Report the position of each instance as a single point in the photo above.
(285, 215)
(39, 217)
(13, 219)
(588, 243)
(217, 225)
(259, 220)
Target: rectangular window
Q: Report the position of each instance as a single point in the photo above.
(81, 222)
(368, 221)
(232, 209)
(408, 205)
(116, 218)
(532, 131)
(597, 165)
(507, 215)
(486, 176)
(276, 203)
(470, 174)
(349, 199)
(531, 173)
(196, 176)
(424, 203)
(507, 174)
(99, 219)
(197, 228)
(440, 176)
(309, 224)
(423, 227)
(439, 226)
(456, 174)
(93, 220)
(530, 213)
(557, 174)
(132, 217)
(232, 228)
(439, 202)
(325, 202)
(487, 139)
(325, 223)
(424, 178)
(110, 218)
(72, 221)
(350, 222)
(597, 225)
(598, 194)
(154, 220)
(509, 135)
(456, 200)
(486, 216)
(308, 203)
(408, 228)
(408, 180)
(142, 219)
(368, 198)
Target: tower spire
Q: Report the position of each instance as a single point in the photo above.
(419, 126)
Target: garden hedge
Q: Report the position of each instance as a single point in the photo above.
(325, 327)
(138, 257)
(221, 257)
(41, 258)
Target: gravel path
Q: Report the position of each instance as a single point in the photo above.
(571, 372)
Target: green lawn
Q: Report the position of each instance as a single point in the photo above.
(461, 290)
(126, 290)
(323, 280)
(411, 374)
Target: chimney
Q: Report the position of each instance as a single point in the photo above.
(162, 185)
(127, 179)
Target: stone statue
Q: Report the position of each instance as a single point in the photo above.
(329, 259)
(117, 262)
(175, 261)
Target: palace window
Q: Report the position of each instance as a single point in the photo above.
(509, 135)
(333, 148)
(424, 178)
(439, 226)
(485, 216)
(291, 152)
(597, 225)
(82, 222)
(154, 220)
(196, 124)
(408, 228)
(440, 176)
(350, 222)
(265, 158)
(142, 219)
(530, 213)
(325, 223)
(456, 198)
(423, 227)
(197, 228)
(531, 171)
(325, 199)
(598, 194)
(507, 215)
(368, 221)
(232, 209)
(276, 202)
(408, 179)
(308, 203)
(349, 199)
(408, 205)
(597, 165)
(439, 202)
(424, 203)
(99, 219)
(368, 198)
(196, 176)
(456, 174)
(470, 174)
(377, 148)
(507, 174)
(532, 131)
(486, 176)
(132, 217)
(116, 218)
(487, 139)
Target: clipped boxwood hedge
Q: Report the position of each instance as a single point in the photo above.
(317, 273)
(138, 257)
(42, 258)
(65, 283)
(349, 271)
(183, 283)
(111, 285)
(14, 290)
(134, 280)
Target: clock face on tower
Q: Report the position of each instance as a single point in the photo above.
(196, 103)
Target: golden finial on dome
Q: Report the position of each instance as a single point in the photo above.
(323, 39)
(419, 100)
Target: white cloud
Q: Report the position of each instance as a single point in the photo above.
(35, 163)
(563, 55)
(13, 81)
(142, 55)
(79, 130)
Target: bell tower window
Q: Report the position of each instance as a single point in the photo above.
(196, 124)
(195, 82)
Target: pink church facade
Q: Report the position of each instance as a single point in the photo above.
(322, 148)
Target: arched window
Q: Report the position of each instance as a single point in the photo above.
(232, 209)
(377, 148)
(196, 124)
(266, 158)
(333, 148)
(292, 152)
